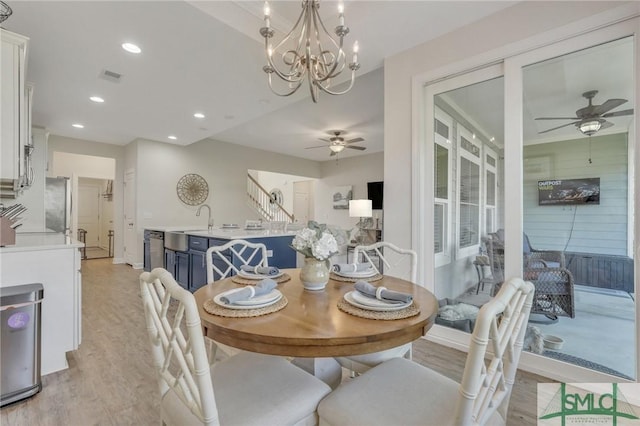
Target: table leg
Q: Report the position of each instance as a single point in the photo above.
(326, 369)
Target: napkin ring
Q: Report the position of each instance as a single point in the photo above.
(379, 291)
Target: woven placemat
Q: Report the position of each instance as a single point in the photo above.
(376, 277)
(240, 280)
(214, 309)
(409, 311)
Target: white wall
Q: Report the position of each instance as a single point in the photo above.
(598, 228)
(355, 172)
(283, 182)
(224, 166)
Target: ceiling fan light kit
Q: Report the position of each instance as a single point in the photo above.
(590, 127)
(308, 51)
(337, 143)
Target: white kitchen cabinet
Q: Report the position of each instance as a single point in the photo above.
(15, 114)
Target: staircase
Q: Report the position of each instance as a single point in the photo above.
(261, 201)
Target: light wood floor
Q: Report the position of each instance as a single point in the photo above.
(110, 379)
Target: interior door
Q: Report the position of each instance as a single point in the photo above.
(301, 201)
(130, 239)
(89, 212)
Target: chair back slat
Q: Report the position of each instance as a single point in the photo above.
(177, 344)
(220, 265)
(395, 259)
(501, 323)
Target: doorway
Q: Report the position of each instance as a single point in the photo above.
(95, 217)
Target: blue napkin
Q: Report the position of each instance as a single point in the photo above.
(370, 290)
(263, 287)
(352, 267)
(260, 270)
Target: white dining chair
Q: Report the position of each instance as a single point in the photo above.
(225, 260)
(401, 391)
(392, 257)
(247, 389)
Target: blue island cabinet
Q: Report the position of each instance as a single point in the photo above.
(279, 253)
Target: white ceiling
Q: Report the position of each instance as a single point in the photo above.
(208, 57)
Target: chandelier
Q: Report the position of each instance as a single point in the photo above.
(308, 51)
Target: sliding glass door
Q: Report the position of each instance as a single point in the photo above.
(529, 169)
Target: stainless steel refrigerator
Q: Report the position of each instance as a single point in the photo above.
(57, 205)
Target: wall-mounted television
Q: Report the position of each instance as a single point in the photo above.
(555, 192)
(375, 191)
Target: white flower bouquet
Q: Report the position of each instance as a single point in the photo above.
(317, 241)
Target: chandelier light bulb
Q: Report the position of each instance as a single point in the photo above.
(267, 14)
(341, 13)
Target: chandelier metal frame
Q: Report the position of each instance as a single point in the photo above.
(310, 59)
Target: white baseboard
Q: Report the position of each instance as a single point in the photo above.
(117, 260)
(137, 265)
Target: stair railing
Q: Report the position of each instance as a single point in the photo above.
(264, 204)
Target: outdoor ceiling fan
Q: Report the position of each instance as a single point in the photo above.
(592, 118)
(337, 143)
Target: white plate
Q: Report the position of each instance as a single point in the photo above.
(360, 274)
(349, 297)
(363, 299)
(249, 275)
(253, 303)
(230, 226)
(254, 228)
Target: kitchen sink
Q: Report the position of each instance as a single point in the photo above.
(176, 240)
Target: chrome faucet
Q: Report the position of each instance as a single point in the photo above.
(209, 219)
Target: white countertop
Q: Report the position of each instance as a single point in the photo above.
(27, 241)
(228, 234)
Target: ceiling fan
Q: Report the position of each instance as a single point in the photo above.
(592, 118)
(337, 143)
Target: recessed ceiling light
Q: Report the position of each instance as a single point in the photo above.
(78, 125)
(130, 47)
(198, 115)
(173, 138)
(97, 99)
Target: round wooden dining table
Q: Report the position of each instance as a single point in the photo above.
(311, 325)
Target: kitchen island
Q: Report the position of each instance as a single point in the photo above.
(187, 261)
(53, 260)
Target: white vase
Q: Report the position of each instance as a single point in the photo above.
(314, 275)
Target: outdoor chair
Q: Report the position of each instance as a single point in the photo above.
(247, 389)
(402, 392)
(554, 284)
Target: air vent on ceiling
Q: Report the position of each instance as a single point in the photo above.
(110, 75)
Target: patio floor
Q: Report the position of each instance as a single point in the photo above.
(602, 332)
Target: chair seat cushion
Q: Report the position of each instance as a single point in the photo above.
(254, 389)
(397, 392)
(361, 363)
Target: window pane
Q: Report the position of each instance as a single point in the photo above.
(469, 182)
(441, 172)
(491, 189)
(442, 129)
(469, 235)
(470, 147)
(439, 227)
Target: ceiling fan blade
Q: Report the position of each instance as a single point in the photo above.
(609, 105)
(333, 153)
(318, 146)
(605, 125)
(557, 118)
(559, 127)
(618, 113)
(354, 140)
(359, 148)
(324, 140)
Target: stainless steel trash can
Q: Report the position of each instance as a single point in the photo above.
(20, 313)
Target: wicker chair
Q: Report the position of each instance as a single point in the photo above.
(545, 269)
